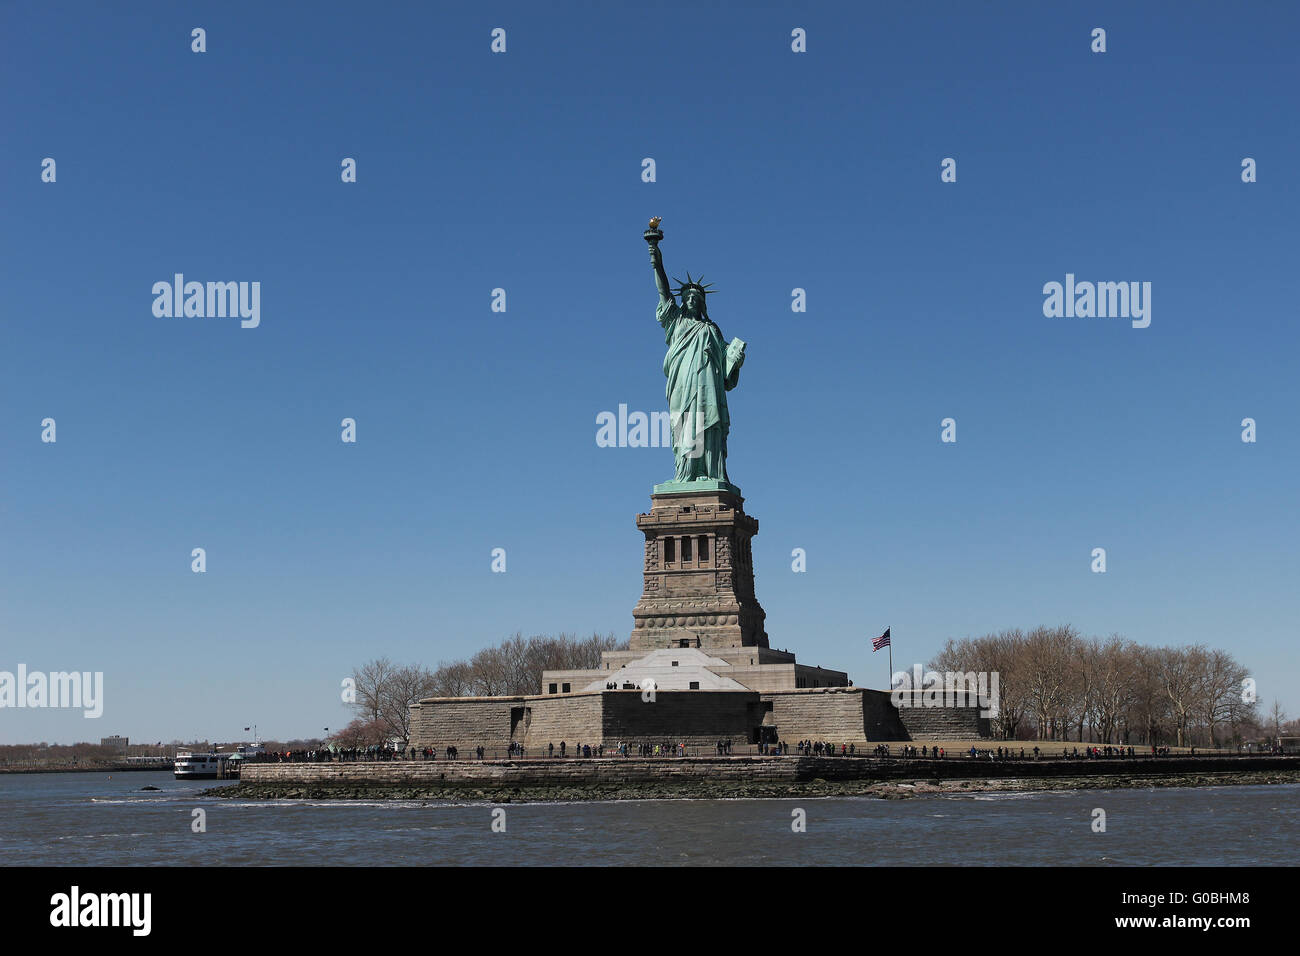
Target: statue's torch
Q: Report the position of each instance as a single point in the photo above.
(654, 233)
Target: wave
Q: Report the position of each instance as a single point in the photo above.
(101, 836)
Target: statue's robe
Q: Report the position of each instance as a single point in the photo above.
(695, 366)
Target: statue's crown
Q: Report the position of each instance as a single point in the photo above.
(695, 284)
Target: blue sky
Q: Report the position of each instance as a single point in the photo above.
(476, 429)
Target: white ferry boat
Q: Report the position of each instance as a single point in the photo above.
(192, 766)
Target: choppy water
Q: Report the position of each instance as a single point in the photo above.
(105, 819)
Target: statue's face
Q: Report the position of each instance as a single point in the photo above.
(692, 300)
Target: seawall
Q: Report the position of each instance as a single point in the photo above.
(622, 777)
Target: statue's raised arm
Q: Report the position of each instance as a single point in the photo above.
(652, 236)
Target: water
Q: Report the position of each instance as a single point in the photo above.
(88, 819)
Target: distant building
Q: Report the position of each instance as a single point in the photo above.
(118, 744)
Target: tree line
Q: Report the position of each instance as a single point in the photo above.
(385, 691)
(1055, 684)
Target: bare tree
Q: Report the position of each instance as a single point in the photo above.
(372, 680)
(1149, 710)
(1056, 684)
(1276, 717)
(406, 686)
(452, 680)
(1180, 670)
(1114, 664)
(1048, 652)
(515, 666)
(1219, 691)
(1089, 669)
(362, 733)
(490, 673)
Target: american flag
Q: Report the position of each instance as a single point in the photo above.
(881, 641)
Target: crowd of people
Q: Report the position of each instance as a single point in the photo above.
(722, 748)
(325, 755)
(1096, 753)
(819, 748)
(907, 750)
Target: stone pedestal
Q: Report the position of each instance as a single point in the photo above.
(699, 574)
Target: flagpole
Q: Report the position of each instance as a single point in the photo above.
(891, 656)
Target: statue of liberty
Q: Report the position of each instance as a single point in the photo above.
(700, 369)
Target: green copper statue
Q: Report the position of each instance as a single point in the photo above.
(701, 369)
